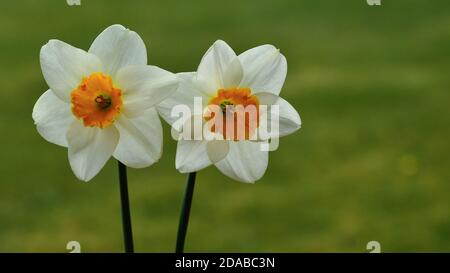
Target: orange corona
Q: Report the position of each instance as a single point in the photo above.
(96, 101)
(235, 104)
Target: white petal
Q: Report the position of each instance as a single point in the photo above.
(288, 118)
(233, 74)
(141, 139)
(90, 148)
(186, 94)
(191, 156)
(217, 150)
(118, 47)
(214, 64)
(267, 98)
(52, 117)
(245, 161)
(144, 86)
(64, 66)
(265, 69)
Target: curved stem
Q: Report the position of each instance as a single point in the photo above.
(185, 211)
(125, 203)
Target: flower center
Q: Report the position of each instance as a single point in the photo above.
(103, 101)
(96, 101)
(234, 112)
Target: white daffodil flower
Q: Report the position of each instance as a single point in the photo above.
(225, 81)
(101, 102)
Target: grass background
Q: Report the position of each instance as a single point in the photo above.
(370, 163)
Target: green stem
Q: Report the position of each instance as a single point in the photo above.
(126, 215)
(185, 211)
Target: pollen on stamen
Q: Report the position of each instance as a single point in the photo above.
(103, 101)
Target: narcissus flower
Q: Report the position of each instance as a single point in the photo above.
(101, 102)
(224, 86)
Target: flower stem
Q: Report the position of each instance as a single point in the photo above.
(185, 211)
(125, 202)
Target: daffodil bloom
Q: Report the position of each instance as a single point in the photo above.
(223, 82)
(101, 102)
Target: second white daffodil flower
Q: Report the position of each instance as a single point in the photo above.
(101, 102)
(225, 81)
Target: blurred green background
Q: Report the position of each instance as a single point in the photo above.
(371, 161)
